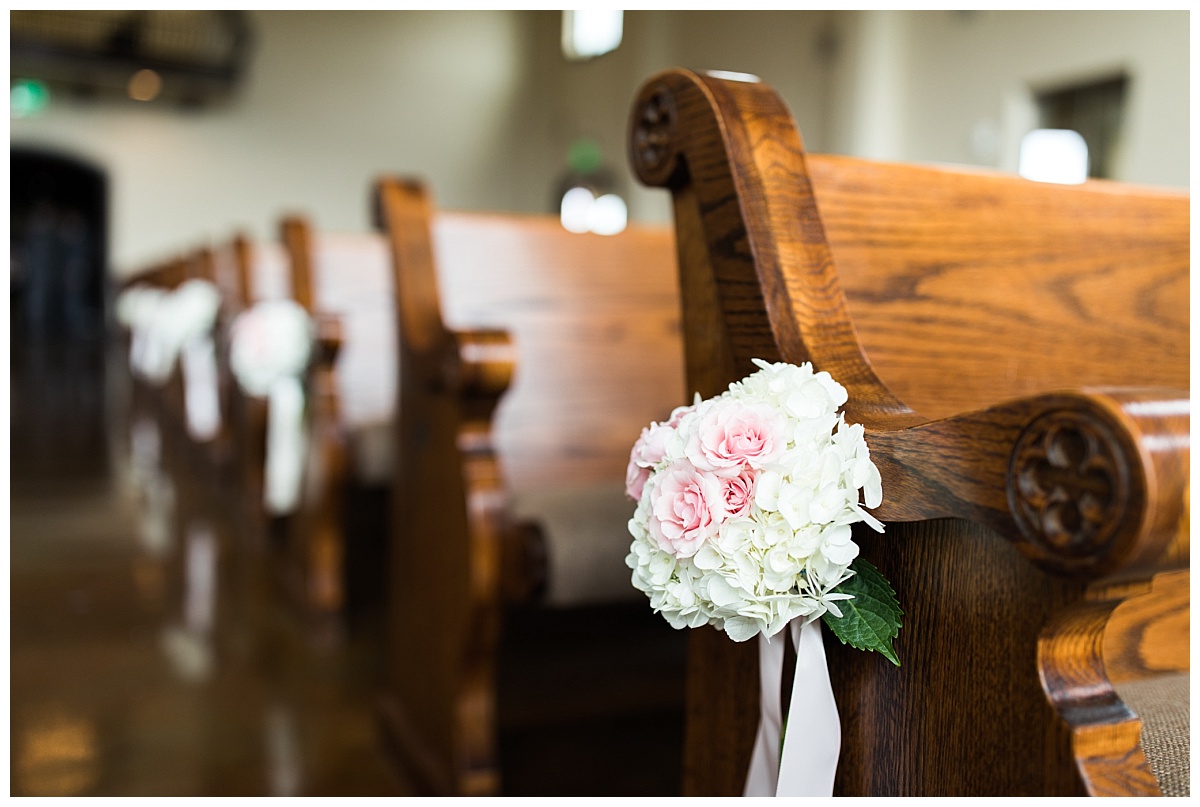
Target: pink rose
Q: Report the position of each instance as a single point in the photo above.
(686, 508)
(732, 434)
(647, 452)
(635, 481)
(677, 414)
(737, 492)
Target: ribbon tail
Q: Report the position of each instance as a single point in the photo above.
(200, 388)
(810, 750)
(285, 445)
(808, 761)
(154, 363)
(764, 760)
(137, 347)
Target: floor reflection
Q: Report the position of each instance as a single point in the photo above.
(149, 653)
(283, 752)
(56, 754)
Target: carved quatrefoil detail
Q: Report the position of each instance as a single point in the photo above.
(655, 128)
(1068, 487)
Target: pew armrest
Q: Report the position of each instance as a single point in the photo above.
(1116, 670)
(1089, 482)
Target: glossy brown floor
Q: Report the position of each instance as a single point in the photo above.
(151, 654)
(149, 658)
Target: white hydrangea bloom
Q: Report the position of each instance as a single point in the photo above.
(767, 555)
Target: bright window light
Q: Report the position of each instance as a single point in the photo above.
(582, 212)
(576, 209)
(729, 75)
(591, 32)
(608, 215)
(1054, 155)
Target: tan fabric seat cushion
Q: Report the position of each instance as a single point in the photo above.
(587, 539)
(1163, 703)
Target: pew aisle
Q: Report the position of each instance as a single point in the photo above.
(152, 653)
(146, 663)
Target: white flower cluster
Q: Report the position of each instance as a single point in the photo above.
(745, 503)
(272, 339)
(163, 322)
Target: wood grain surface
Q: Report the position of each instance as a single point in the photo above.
(979, 323)
(531, 358)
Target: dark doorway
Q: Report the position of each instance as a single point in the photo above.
(57, 325)
(1097, 111)
(58, 222)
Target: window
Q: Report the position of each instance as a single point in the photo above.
(591, 32)
(1096, 110)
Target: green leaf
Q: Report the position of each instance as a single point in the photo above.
(871, 620)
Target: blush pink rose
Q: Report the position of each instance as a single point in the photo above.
(647, 452)
(732, 435)
(677, 414)
(686, 508)
(635, 481)
(737, 493)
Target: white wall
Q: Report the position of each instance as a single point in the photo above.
(332, 100)
(594, 98)
(483, 106)
(968, 74)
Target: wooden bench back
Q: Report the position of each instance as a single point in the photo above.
(268, 273)
(349, 276)
(583, 310)
(531, 358)
(165, 275)
(932, 293)
(1035, 286)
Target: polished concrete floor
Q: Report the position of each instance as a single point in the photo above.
(147, 658)
(151, 655)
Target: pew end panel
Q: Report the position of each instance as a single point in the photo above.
(980, 324)
(343, 281)
(261, 273)
(530, 360)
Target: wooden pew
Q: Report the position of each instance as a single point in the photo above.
(145, 407)
(178, 475)
(530, 360)
(164, 400)
(1018, 353)
(248, 272)
(333, 549)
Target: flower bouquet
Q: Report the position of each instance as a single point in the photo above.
(745, 503)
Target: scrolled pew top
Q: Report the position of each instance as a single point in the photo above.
(1017, 351)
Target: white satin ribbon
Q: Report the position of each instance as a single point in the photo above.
(183, 315)
(808, 762)
(135, 309)
(285, 445)
(203, 406)
(269, 352)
